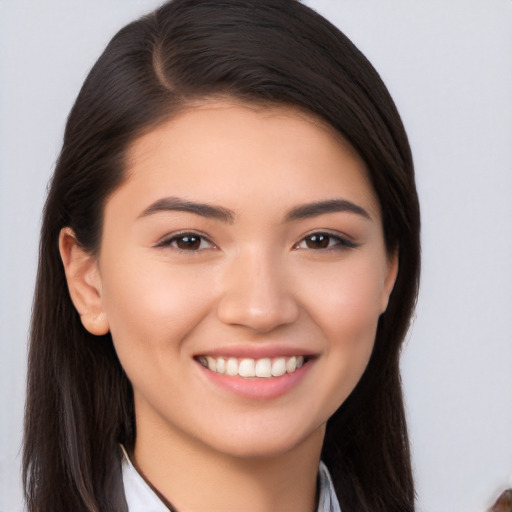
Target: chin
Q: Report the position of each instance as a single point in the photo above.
(264, 442)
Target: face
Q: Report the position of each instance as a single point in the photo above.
(242, 272)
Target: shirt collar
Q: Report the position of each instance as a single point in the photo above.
(327, 499)
(141, 498)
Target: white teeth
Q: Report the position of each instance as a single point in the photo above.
(291, 365)
(246, 368)
(232, 366)
(263, 368)
(221, 365)
(212, 364)
(279, 367)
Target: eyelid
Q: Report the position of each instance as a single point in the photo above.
(345, 242)
(167, 240)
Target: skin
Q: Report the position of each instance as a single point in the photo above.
(257, 279)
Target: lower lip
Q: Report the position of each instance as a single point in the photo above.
(258, 387)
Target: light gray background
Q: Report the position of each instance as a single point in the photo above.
(448, 66)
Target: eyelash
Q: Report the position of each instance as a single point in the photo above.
(340, 242)
(173, 240)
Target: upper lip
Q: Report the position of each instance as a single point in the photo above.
(256, 351)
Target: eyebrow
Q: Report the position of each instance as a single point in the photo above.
(225, 215)
(182, 205)
(322, 207)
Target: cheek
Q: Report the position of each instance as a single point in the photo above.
(346, 308)
(152, 307)
(349, 327)
(346, 302)
(350, 324)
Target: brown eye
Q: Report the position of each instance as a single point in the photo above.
(188, 242)
(318, 241)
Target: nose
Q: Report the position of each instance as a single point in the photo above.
(257, 293)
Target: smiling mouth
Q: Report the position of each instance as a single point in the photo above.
(265, 368)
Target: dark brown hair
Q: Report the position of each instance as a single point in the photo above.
(272, 52)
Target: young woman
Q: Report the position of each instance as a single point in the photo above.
(229, 262)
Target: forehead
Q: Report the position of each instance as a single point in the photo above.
(202, 115)
(218, 148)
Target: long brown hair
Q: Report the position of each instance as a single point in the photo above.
(276, 52)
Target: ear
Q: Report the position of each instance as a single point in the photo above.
(389, 282)
(84, 282)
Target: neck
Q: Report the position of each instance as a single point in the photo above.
(196, 478)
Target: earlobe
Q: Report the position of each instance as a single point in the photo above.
(389, 282)
(84, 282)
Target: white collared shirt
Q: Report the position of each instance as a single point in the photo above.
(141, 498)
